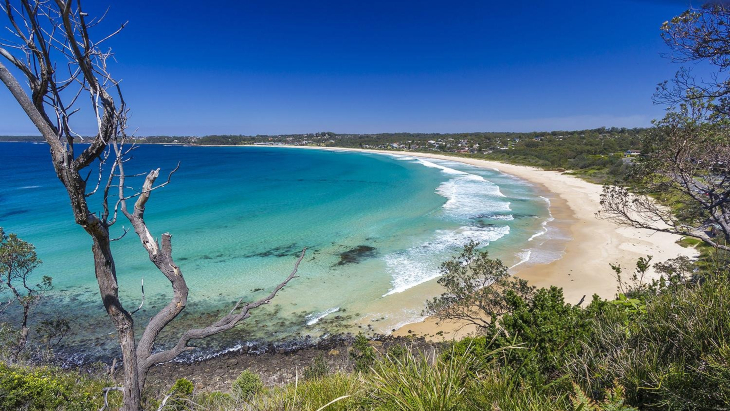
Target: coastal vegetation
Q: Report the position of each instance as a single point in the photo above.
(600, 155)
(686, 161)
(18, 259)
(662, 343)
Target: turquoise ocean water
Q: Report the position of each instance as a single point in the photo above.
(376, 228)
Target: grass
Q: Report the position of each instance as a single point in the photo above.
(420, 382)
(675, 356)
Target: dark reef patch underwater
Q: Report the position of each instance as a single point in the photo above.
(357, 254)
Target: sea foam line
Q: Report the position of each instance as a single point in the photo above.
(315, 317)
(447, 170)
(544, 224)
(524, 257)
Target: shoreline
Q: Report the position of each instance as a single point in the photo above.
(583, 269)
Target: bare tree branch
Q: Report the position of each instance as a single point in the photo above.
(46, 35)
(226, 323)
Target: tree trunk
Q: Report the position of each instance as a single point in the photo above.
(107, 279)
(23, 340)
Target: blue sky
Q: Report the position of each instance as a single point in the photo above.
(270, 67)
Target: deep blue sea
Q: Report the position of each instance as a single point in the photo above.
(376, 228)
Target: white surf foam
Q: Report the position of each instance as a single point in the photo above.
(416, 265)
(315, 317)
(402, 157)
(501, 217)
(543, 225)
(467, 197)
(543, 230)
(524, 257)
(446, 170)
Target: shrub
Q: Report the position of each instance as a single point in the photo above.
(246, 385)
(182, 387)
(317, 369)
(180, 395)
(362, 354)
(675, 356)
(45, 388)
(549, 331)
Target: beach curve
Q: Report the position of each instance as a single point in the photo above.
(583, 269)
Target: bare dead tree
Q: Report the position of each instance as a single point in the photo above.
(50, 48)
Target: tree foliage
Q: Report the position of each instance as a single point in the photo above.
(478, 289)
(18, 259)
(686, 160)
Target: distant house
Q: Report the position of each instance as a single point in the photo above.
(632, 153)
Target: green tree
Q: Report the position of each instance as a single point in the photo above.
(478, 289)
(18, 259)
(686, 157)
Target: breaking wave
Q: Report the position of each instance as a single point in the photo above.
(524, 257)
(415, 265)
(469, 197)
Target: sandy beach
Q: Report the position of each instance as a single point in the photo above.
(594, 244)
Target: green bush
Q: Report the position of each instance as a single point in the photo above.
(674, 356)
(548, 331)
(362, 354)
(182, 387)
(180, 395)
(317, 369)
(246, 385)
(45, 388)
